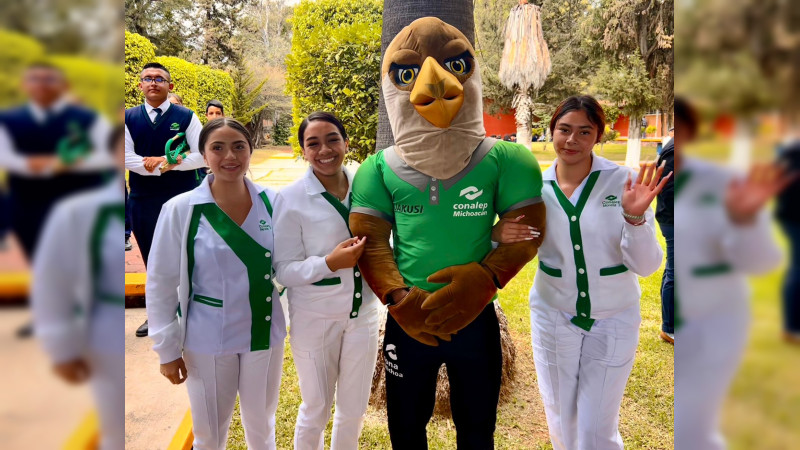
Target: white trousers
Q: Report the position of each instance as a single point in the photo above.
(333, 355)
(582, 375)
(107, 382)
(213, 382)
(708, 352)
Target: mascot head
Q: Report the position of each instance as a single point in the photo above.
(432, 88)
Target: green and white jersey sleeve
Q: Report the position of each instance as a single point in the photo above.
(370, 195)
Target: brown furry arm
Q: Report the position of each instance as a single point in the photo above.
(507, 260)
(377, 263)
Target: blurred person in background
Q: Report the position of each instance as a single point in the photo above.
(148, 128)
(175, 99)
(787, 211)
(665, 217)
(78, 308)
(50, 149)
(5, 215)
(214, 110)
(725, 235)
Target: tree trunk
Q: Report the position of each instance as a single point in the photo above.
(634, 151)
(396, 15)
(742, 146)
(523, 118)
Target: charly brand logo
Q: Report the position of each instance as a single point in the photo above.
(611, 200)
(263, 226)
(408, 209)
(474, 209)
(174, 127)
(391, 368)
(470, 193)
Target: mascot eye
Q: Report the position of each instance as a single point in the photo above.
(406, 75)
(458, 66)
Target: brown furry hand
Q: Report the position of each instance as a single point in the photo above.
(470, 288)
(411, 318)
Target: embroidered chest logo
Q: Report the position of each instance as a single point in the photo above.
(473, 209)
(408, 209)
(263, 225)
(470, 193)
(611, 201)
(174, 127)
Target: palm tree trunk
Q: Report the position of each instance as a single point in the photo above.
(396, 15)
(634, 151)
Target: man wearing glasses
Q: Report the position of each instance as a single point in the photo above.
(148, 128)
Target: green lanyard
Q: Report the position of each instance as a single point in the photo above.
(75, 146)
(256, 258)
(179, 141)
(357, 283)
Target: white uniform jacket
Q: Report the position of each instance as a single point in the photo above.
(223, 319)
(79, 264)
(590, 257)
(713, 255)
(307, 228)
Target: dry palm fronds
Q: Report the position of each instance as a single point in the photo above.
(526, 59)
(378, 396)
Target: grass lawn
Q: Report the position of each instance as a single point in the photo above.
(647, 412)
(763, 408)
(543, 151)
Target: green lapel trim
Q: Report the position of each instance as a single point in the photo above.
(210, 301)
(96, 249)
(613, 270)
(255, 257)
(265, 199)
(583, 305)
(258, 262)
(328, 282)
(680, 181)
(553, 272)
(345, 213)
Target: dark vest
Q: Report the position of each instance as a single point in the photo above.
(30, 138)
(149, 139)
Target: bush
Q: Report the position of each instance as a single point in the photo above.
(213, 84)
(184, 78)
(609, 135)
(334, 66)
(650, 130)
(16, 52)
(93, 84)
(138, 52)
(281, 130)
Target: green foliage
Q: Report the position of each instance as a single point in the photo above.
(213, 84)
(626, 85)
(184, 77)
(16, 52)
(609, 135)
(651, 130)
(334, 66)
(281, 130)
(244, 97)
(93, 84)
(138, 52)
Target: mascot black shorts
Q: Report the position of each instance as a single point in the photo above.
(474, 366)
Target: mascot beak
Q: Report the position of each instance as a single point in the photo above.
(437, 95)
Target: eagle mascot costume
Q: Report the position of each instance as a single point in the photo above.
(437, 191)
